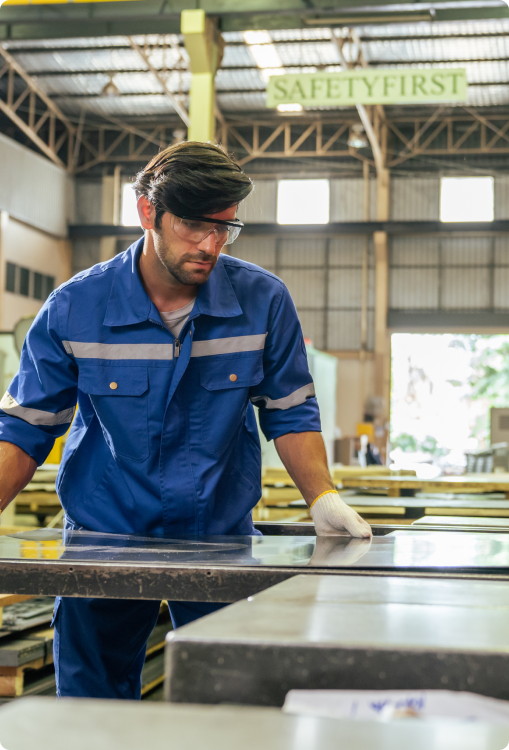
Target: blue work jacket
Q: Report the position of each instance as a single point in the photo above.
(164, 440)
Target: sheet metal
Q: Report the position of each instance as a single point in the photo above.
(124, 725)
(345, 632)
(226, 569)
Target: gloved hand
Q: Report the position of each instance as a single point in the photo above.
(331, 516)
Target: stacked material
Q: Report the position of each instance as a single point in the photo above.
(282, 501)
(39, 498)
(26, 650)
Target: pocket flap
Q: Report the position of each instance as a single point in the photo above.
(111, 380)
(225, 371)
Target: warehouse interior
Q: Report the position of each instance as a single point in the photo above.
(385, 214)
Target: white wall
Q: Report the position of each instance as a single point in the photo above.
(356, 381)
(36, 201)
(33, 249)
(33, 189)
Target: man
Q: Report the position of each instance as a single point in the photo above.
(164, 348)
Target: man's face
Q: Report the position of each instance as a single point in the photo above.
(189, 263)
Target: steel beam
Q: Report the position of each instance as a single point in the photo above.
(455, 134)
(67, 20)
(38, 125)
(175, 102)
(501, 226)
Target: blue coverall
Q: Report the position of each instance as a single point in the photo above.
(164, 441)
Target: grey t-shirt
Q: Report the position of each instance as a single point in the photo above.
(176, 319)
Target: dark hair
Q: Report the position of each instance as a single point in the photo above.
(192, 179)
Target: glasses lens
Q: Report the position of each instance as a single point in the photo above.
(190, 230)
(196, 231)
(233, 233)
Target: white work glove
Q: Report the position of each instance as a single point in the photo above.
(331, 516)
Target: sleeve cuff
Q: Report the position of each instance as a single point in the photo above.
(302, 418)
(30, 439)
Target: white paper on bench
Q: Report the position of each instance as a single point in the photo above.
(382, 705)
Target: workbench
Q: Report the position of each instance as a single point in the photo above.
(227, 569)
(45, 724)
(378, 509)
(395, 486)
(279, 489)
(482, 505)
(346, 632)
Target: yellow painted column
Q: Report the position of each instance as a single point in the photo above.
(205, 46)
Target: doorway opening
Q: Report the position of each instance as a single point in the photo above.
(442, 388)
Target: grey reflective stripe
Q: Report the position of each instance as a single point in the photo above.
(35, 416)
(228, 345)
(85, 350)
(294, 399)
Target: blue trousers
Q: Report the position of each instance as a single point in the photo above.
(99, 644)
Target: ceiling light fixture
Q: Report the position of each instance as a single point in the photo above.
(110, 88)
(357, 137)
(290, 108)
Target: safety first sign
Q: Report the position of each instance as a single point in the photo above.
(369, 86)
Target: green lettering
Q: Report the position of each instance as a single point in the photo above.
(280, 86)
(389, 83)
(369, 86)
(455, 77)
(316, 84)
(403, 85)
(351, 82)
(333, 88)
(297, 92)
(418, 83)
(437, 80)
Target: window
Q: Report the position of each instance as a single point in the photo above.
(38, 282)
(130, 216)
(29, 283)
(24, 281)
(303, 202)
(10, 278)
(467, 199)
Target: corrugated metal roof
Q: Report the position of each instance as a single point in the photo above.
(140, 106)
(241, 102)
(484, 52)
(437, 49)
(444, 28)
(308, 53)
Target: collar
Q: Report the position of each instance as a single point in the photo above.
(130, 304)
(217, 297)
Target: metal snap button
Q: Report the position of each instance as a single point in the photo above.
(113, 386)
(233, 378)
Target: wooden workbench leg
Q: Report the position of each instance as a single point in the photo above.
(393, 492)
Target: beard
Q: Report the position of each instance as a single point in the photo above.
(175, 265)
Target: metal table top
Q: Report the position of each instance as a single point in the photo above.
(421, 500)
(229, 568)
(46, 724)
(345, 632)
(464, 483)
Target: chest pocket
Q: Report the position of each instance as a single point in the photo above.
(225, 380)
(119, 396)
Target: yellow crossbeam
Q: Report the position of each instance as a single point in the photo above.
(57, 2)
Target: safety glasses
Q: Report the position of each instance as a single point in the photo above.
(196, 229)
